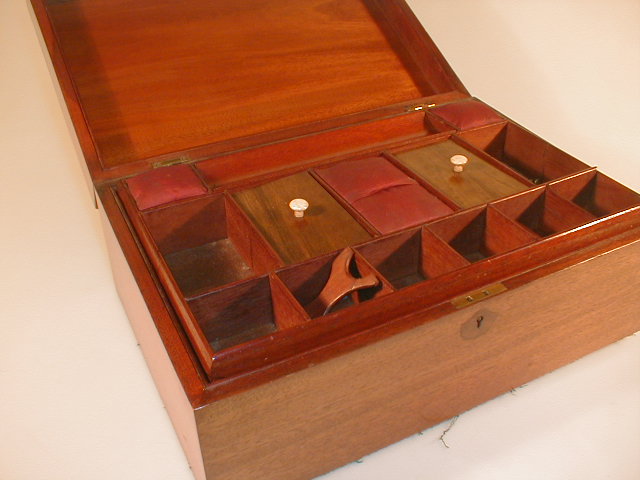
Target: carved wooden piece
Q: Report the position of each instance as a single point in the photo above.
(341, 283)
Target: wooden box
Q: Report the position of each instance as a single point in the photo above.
(199, 123)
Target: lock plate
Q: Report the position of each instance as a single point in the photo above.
(470, 298)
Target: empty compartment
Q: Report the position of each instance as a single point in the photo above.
(524, 152)
(543, 212)
(411, 257)
(207, 243)
(383, 194)
(480, 181)
(332, 282)
(596, 193)
(481, 233)
(243, 312)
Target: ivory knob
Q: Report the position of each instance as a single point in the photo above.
(458, 162)
(298, 205)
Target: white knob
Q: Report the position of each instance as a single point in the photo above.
(458, 162)
(298, 205)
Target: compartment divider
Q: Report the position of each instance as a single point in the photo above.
(524, 152)
(543, 212)
(596, 193)
(249, 240)
(366, 267)
(443, 257)
(287, 310)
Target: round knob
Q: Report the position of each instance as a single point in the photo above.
(458, 162)
(298, 205)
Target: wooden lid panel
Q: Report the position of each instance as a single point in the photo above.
(155, 77)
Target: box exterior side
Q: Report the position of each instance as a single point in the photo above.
(164, 375)
(320, 418)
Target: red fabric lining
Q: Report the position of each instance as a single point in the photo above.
(357, 179)
(164, 185)
(467, 114)
(383, 194)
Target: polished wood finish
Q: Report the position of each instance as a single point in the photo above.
(544, 212)
(213, 78)
(597, 193)
(479, 183)
(341, 283)
(526, 153)
(481, 233)
(255, 96)
(340, 410)
(298, 239)
(208, 242)
(242, 166)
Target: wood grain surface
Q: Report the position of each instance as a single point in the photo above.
(479, 183)
(340, 410)
(326, 226)
(151, 85)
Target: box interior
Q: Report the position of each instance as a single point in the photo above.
(247, 270)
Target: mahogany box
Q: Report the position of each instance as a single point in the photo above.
(446, 254)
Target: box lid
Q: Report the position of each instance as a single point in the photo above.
(152, 80)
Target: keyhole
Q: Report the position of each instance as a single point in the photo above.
(479, 321)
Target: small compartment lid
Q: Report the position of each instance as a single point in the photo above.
(150, 80)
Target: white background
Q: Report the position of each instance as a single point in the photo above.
(76, 399)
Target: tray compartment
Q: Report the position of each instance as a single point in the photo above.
(480, 182)
(325, 227)
(411, 257)
(384, 195)
(305, 281)
(524, 152)
(481, 233)
(208, 243)
(244, 312)
(596, 193)
(543, 212)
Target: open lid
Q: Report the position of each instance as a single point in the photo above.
(152, 80)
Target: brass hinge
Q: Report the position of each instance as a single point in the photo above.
(172, 161)
(482, 294)
(419, 107)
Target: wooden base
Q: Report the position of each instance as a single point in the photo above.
(321, 417)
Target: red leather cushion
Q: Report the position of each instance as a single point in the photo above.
(401, 207)
(467, 114)
(164, 185)
(360, 178)
(383, 194)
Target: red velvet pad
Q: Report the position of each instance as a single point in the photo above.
(383, 194)
(164, 185)
(360, 178)
(467, 114)
(401, 207)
